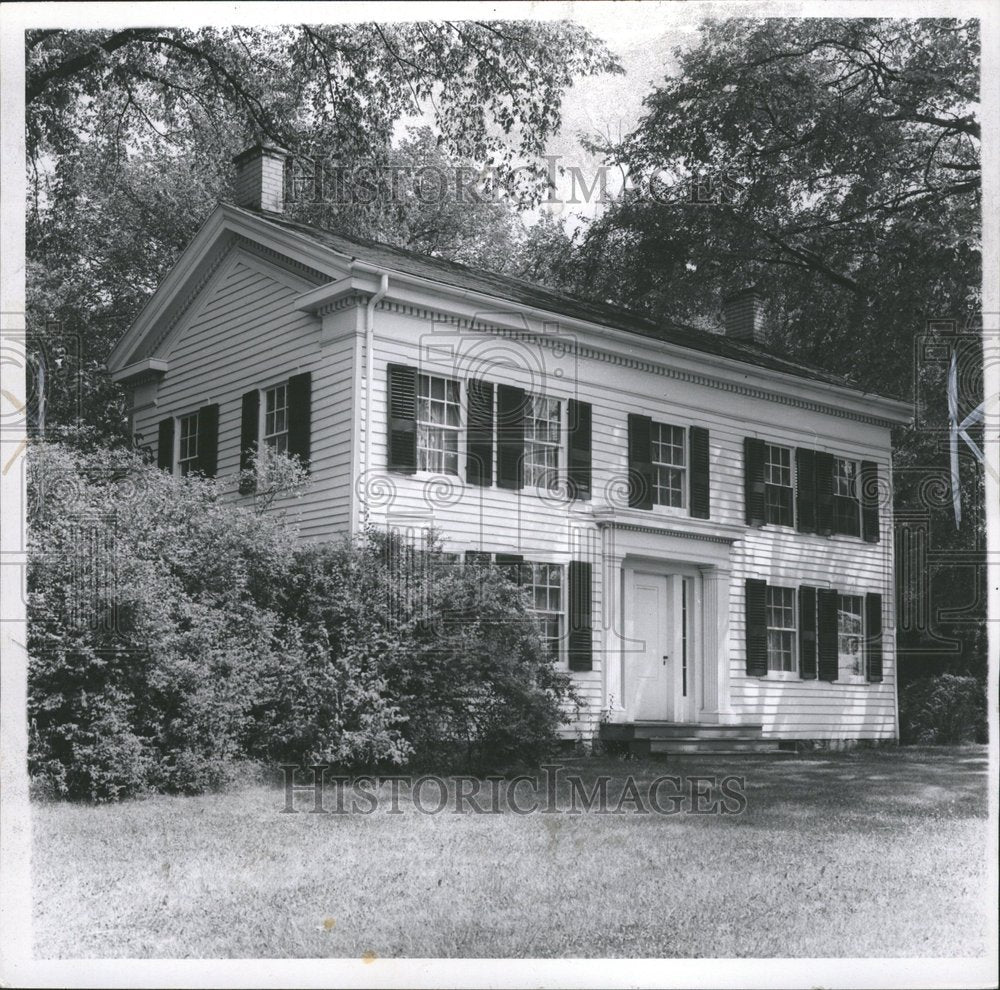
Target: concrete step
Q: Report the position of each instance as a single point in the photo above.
(668, 730)
(714, 747)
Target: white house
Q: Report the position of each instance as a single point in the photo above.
(705, 526)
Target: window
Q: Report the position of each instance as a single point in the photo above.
(542, 438)
(668, 465)
(188, 459)
(778, 492)
(544, 584)
(846, 503)
(850, 637)
(276, 418)
(438, 424)
(781, 629)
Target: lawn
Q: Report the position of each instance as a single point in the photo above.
(870, 853)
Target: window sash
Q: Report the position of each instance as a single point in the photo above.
(276, 417)
(850, 636)
(188, 449)
(542, 441)
(779, 492)
(439, 423)
(782, 629)
(544, 583)
(846, 502)
(669, 459)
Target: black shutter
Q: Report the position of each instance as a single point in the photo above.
(873, 636)
(510, 437)
(512, 564)
(869, 495)
(640, 461)
(824, 493)
(698, 456)
(805, 489)
(580, 439)
(479, 437)
(249, 436)
(581, 633)
(826, 634)
(165, 444)
(208, 439)
(807, 633)
(300, 416)
(756, 627)
(402, 419)
(754, 491)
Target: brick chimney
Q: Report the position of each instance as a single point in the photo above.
(744, 315)
(260, 178)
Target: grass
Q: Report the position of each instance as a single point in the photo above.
(865, 853)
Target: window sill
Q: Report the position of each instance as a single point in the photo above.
(782, 675)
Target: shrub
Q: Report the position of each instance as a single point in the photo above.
(943, 709)
(174, 634)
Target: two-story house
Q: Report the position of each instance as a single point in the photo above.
(704, 527)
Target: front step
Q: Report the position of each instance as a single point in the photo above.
(694, 744)
(644, 738)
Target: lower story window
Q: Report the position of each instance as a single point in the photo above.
(188, 453)
(850, 636)
(544, 583)
(781, 629)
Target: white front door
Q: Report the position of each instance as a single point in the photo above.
(658, 669)
(647, 665)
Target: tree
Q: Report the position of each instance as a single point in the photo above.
(131, 133)
(848, 153)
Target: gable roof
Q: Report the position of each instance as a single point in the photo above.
(527, 293)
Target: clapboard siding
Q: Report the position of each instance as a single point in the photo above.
(544, 527)
(245, 332)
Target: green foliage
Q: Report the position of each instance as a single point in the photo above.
(943, 710)
(175, 635)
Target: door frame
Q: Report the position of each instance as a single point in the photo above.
(685, 593)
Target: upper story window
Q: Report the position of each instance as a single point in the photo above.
(188, 452)
(850, 637)
(669, 465)
(781, 629)
(545, 587)
(542, 441)
(439, 417)
(276, 418)
(778, 491)
(846, 503)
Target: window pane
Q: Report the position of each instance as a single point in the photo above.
(438, 424)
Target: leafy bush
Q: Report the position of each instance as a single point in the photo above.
(943, 709)
(175, 634)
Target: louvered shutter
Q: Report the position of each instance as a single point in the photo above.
(869, 501)
(640, 462)
(165, 444)
(754, 491)
(824, 493)
(826, 634)
(580, 439)
(581, 630)
(402, 419)
(807, 633)
(805, 489)
(300, 417)
(510, 437)
(512, 565)
(479, 437)
(699, 480)
(249, 436)
(208, 440)
(756, 627)
(873, 636)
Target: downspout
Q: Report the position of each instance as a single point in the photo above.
(369, 371)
